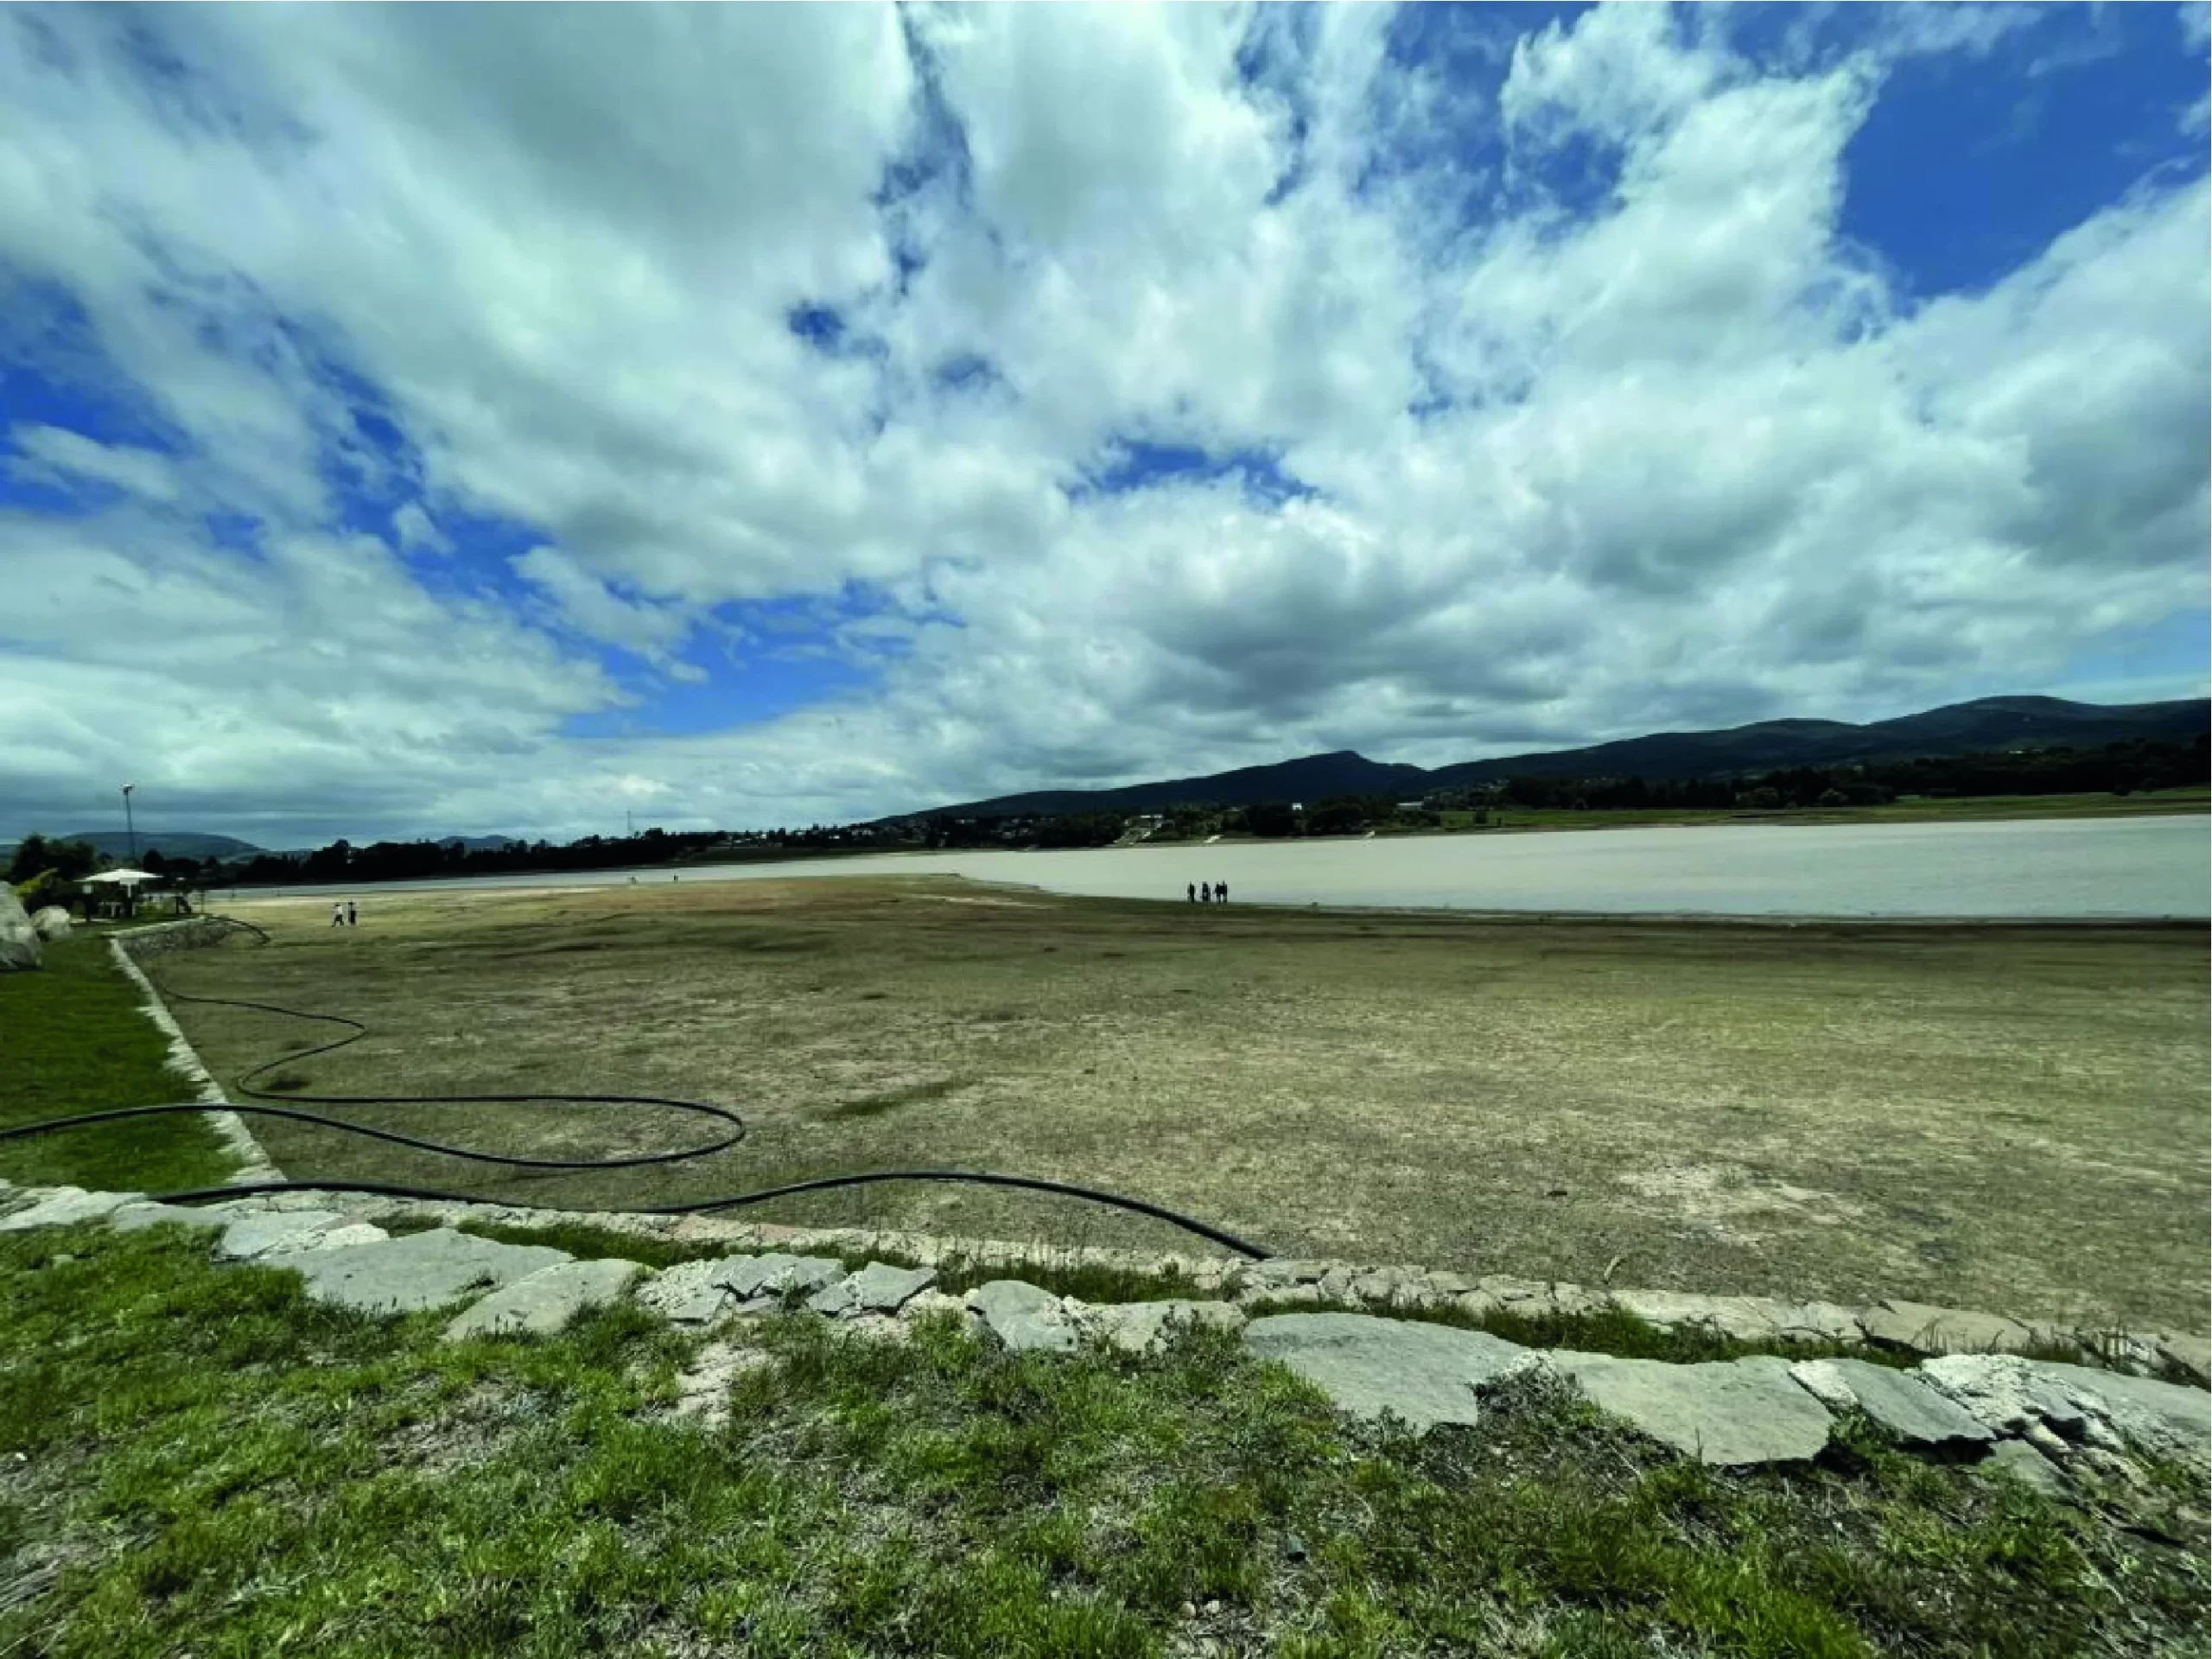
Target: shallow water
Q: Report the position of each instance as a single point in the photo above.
(2114, 868)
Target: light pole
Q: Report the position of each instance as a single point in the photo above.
(131, 825)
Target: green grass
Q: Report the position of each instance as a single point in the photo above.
(196, 1459)
(74, 1039)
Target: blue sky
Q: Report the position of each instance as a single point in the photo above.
(496, 420)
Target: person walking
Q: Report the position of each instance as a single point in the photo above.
(1205, 894)
(1191, 891)
(1221, 892)
(337, 912)
(353, 915)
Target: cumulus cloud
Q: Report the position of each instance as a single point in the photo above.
(1547, 403)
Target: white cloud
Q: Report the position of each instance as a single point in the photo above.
(416, 529)
(57, 455)
(585, 603)
(1682, 456)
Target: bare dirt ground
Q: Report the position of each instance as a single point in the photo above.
(2008, 1117)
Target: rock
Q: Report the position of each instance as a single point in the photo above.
(1809, 1321)
(2023, 1463)
(1929, 1330)
(1423, 1374)
(52, 922)
(132, 1217)
(252, 1235)
(64, 1206)
(778, 1275)
(1279, 1271)
(2192, 1353)
(1734, 1316)
(1282, 1296)
(337, 1238)
(1909, 1410)
(546, 1302)
(20, 951)
(1138, 1327)
(690, 1293)
(1737, 1412)
(1023, 1317)
(876, 1289)
(2006, 1393)
(421, 1270)
(2168, 1416)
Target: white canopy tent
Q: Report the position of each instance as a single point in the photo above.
(121, 877)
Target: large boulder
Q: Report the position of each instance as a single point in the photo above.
(52, 922)
(19, 943)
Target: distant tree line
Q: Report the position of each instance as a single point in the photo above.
(36, 854)
(413, 861)
(2117, 768)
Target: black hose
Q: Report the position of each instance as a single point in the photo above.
(357, 1031)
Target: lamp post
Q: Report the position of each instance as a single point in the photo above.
(131, 825)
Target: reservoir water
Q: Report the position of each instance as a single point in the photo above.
(2088, 867)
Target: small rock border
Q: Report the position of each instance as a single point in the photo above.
(2043, 1422)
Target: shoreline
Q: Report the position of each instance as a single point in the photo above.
(1494, 917)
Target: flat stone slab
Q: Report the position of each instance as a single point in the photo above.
(1023, 1317)
(65, 1206)
(1927, 1329)
(1139, 1327)
(690, 1293)
(1423, 1374)
(876, 1289)
(2007, 1392)
(135, 1217)
(1909, 1410)
(2181, 1414)
(546, 1302)
(252, 1235)
(1729, 1414)
(421, 1270)
(2184, 1349)
(776, 1274)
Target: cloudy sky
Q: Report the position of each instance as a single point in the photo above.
(475, 419)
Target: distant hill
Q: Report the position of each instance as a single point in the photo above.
(1989, 723)
(480, 843)
(172, 843)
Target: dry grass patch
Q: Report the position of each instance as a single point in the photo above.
(2009, 1117)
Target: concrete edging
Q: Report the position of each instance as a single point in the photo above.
(254, 1164)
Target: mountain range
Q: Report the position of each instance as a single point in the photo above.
(1989, 723)
(170, 844)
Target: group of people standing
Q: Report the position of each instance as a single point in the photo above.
(1199, 893)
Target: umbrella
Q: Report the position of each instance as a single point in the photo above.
(123, 878)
